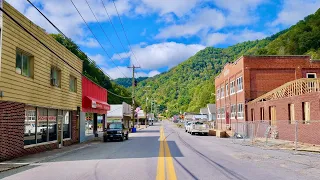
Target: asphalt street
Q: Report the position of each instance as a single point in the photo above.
(164, 151)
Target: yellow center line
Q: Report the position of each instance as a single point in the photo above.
(160, 168)
(165, 155)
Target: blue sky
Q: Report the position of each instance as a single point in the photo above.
(163, 33)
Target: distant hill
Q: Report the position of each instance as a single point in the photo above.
(127, 82)
(190, 85)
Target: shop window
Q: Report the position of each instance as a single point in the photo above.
(73, 84)
(30, 126)
(24, 63)
(239, 84)
(240, 111)
(55, 76)
(42, 125)
(232, 90)
(52, 124)
(306, 112)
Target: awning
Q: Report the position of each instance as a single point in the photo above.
(95, 106)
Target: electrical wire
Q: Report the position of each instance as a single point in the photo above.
(117, 32)
(124, 31)
(96, 38)
(92, 61)
(103, 29)
(21, 26)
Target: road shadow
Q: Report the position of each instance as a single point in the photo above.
(148, 131)
(135, 147)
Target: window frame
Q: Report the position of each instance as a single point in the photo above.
(306, 117)
(238, 84)
(58, 85)
(232, 88)
(227, 89)
(290, 114)
(75, 83)
(22, 54)
(233, 111)
(223, 113)
(222, 92)
(315, 75)
(218, 113)
(218, 93)
(240, 114)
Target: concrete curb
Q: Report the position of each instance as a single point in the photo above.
(41, 160)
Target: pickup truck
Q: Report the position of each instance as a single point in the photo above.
(198, 127)
(115, 130)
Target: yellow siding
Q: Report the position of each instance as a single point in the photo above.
(36, 91)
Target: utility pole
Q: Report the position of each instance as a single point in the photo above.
(133, 86)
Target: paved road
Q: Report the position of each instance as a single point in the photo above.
(165, 151)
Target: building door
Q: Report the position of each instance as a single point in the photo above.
(273, 116)
(60, 127)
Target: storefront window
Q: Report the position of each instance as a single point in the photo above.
(30, 126)
(42, 125)
(52, 124)
(66, 125)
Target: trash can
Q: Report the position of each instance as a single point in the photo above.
(134, 130)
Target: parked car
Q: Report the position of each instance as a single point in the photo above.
(198, 127)
(115, 131)
(187, 126)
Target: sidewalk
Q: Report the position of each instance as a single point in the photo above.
(44, 156)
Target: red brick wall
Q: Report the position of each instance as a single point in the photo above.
(307, 133)
(12, 116)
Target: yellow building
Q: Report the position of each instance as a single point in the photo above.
(40, 88)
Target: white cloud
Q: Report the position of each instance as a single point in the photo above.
(98, 58)
(178, 7)
(216, 38)
(90, 42)
(167, 54)
(66, 18)
(231, 38)
(120, 71)
(197, 23)
(295, 10)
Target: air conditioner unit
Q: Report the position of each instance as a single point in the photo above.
(53, 82)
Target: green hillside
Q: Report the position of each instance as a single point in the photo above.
(91, 71)
(127, 82)
(190, 85)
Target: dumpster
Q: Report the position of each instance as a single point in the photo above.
(134, 130)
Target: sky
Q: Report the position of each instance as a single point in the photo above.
(157, 35)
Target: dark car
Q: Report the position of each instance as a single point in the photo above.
(115, 131)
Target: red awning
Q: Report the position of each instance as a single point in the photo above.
(96, 106)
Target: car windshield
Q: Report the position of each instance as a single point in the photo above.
(198, 123)
(115, 126)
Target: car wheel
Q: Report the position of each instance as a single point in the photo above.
(186, 130)
(192, 133)
(105, 139)
(122, 138)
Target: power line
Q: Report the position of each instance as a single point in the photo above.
(117, 32)
(92, 61)
(96, 38)
(103, 29)
(124, 31)
(21, 26)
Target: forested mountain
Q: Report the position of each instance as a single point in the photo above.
(190, 85)
(127, 82)
(91, 71)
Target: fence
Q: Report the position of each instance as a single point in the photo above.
(296, 135)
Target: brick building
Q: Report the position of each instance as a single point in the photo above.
(294, 102)
(252, 76)
(40, 95)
